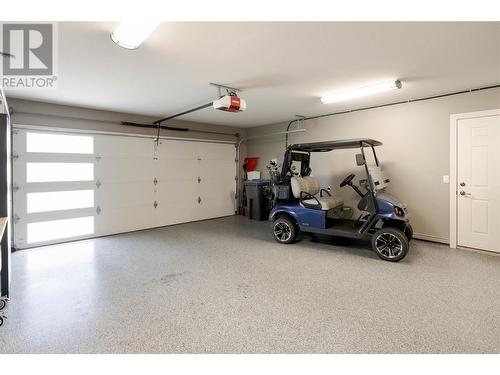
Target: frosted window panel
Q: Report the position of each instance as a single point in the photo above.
(59, 200)
(59, 143)
(58, 172)
(60, 229)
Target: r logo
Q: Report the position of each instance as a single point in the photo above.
(32, 47)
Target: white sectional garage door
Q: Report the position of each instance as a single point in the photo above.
(71, 185)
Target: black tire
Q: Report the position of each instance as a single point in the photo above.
(3, 303)
(1, 321)
(284, 230)
(409, 232)
(390, 244)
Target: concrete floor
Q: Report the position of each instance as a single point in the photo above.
(225, 286)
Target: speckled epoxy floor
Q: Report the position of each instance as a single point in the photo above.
(225, 286)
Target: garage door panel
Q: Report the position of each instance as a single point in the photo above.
(217, 170)
(124, 195)
(218, 200)
(57, 158)
(173, 150)
(53, 231)
(217, 151)
(176, 212)
(55, 172)
(217, 207)
(114, 170)
(123, 147)
(22, 225)
(124, 219)
(55, 186)
(180, 169)
(32, 171)
(177, 200)
(176, 190)
(60, 215)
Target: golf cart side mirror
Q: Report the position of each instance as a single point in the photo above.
(360, 159)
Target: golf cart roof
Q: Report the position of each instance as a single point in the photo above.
(334, 145)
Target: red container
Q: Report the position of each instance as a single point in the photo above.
(251, 163)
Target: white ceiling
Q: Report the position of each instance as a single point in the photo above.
(283, 68)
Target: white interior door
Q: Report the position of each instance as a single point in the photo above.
(75, 185)
(478, 178)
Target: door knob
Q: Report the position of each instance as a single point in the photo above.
(463, 193)
(462, 184)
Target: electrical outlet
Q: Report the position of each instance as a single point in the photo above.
(446, 179)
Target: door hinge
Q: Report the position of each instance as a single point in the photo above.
(199, 200)
(199, 179)
(155, 181)
(15, 187)
(15, 155)
(16, 218)
(198, 158)
(98, 210)
(98, 184)
(155, 204)
(98, 157)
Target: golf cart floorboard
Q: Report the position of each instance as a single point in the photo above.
(337, 227)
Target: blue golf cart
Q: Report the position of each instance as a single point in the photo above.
(299, 204)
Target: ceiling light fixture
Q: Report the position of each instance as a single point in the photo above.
(131, 34)
(362, 91)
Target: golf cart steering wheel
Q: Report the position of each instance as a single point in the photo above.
(347, 180)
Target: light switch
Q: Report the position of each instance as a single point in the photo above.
(446, 179)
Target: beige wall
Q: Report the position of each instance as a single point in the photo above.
(46, 114)
(415, 154)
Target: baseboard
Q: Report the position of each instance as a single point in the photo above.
(426, 237)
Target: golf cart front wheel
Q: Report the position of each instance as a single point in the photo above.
(284, 230)
(390, 244)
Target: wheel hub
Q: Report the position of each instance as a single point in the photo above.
(282, 231)
(389, 245)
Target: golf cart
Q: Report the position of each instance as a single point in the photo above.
(300, 205)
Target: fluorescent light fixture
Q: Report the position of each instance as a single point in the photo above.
(131, 34)
(362, 91)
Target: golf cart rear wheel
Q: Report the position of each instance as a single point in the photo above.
(284, 230)
(390, 244)
(3, 303)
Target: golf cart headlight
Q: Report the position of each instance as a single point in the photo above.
(399, 211)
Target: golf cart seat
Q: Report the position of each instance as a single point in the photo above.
(305, 189)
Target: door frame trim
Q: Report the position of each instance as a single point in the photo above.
(454, 118)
